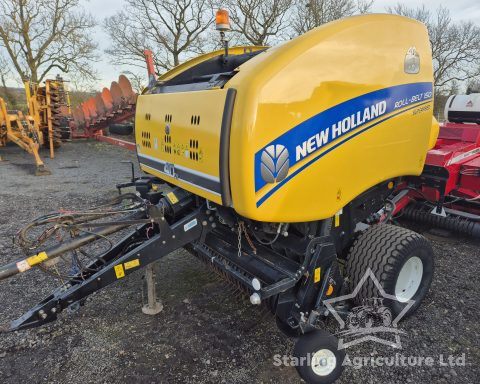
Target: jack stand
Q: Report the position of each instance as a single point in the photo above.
(153, 305)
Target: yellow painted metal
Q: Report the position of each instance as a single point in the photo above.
(48, 107)
(186, 135)
(23, 131)
(32, 102)
(41, 101)
(286, 85)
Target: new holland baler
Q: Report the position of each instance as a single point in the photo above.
(274, 166)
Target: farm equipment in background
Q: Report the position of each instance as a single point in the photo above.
(111, 106)
(447, 194)
(49, 105)
(22, 130)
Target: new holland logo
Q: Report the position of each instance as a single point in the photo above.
(274, 163)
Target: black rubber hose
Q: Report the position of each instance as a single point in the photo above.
(452, 223)
(20, 266)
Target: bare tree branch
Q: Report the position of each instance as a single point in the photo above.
(42, 35)
(455, 46)
(257, 22)
(313, 13)
(172, 30)
(6, 73)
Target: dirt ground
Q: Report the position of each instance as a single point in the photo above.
(207, 332)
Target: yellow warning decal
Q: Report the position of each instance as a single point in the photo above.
(337, 218)
(330, 289)
(316, 275)
(37, 259)
(119, 272)
(171, 196)
(131, 264)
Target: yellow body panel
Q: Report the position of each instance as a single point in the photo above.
(170, 131)
(289, 93)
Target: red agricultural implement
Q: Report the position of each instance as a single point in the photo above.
(111, 106)
(447, 195)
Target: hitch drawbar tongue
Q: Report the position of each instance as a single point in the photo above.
(158, 236)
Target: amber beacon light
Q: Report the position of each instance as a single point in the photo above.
(222, 20)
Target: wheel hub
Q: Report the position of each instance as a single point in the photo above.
(409, 279)
(323, 362)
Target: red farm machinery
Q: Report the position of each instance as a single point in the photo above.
(447, 194)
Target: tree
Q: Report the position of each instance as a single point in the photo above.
(455, 46)
(312, 13)
(138, 81)
(5, 73)
(172, 30)
(44, 35)
(258, 21)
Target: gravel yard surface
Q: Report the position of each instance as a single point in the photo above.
(207, 332)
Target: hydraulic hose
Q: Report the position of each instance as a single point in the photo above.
(452, 223)
(23, 265)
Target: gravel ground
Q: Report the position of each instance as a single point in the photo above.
(206, 333)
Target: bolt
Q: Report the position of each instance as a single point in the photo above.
(214, 225)
(42, 314)
(204, 223)
(53, 310)
(173, 236)
(211, 218)
(163, 242)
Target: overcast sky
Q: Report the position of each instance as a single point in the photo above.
(460, 10)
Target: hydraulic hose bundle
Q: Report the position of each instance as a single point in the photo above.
(56, 234)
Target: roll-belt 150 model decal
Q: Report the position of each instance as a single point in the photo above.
(274, 162)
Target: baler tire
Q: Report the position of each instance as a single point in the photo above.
(313, 345)
(121, 129)
(385, 249)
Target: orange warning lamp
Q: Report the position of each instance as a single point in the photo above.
(222, 20)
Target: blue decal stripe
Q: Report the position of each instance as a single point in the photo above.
(293, 174)
(331, 124)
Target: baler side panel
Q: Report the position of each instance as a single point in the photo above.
(178, 139)
(311, 83)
